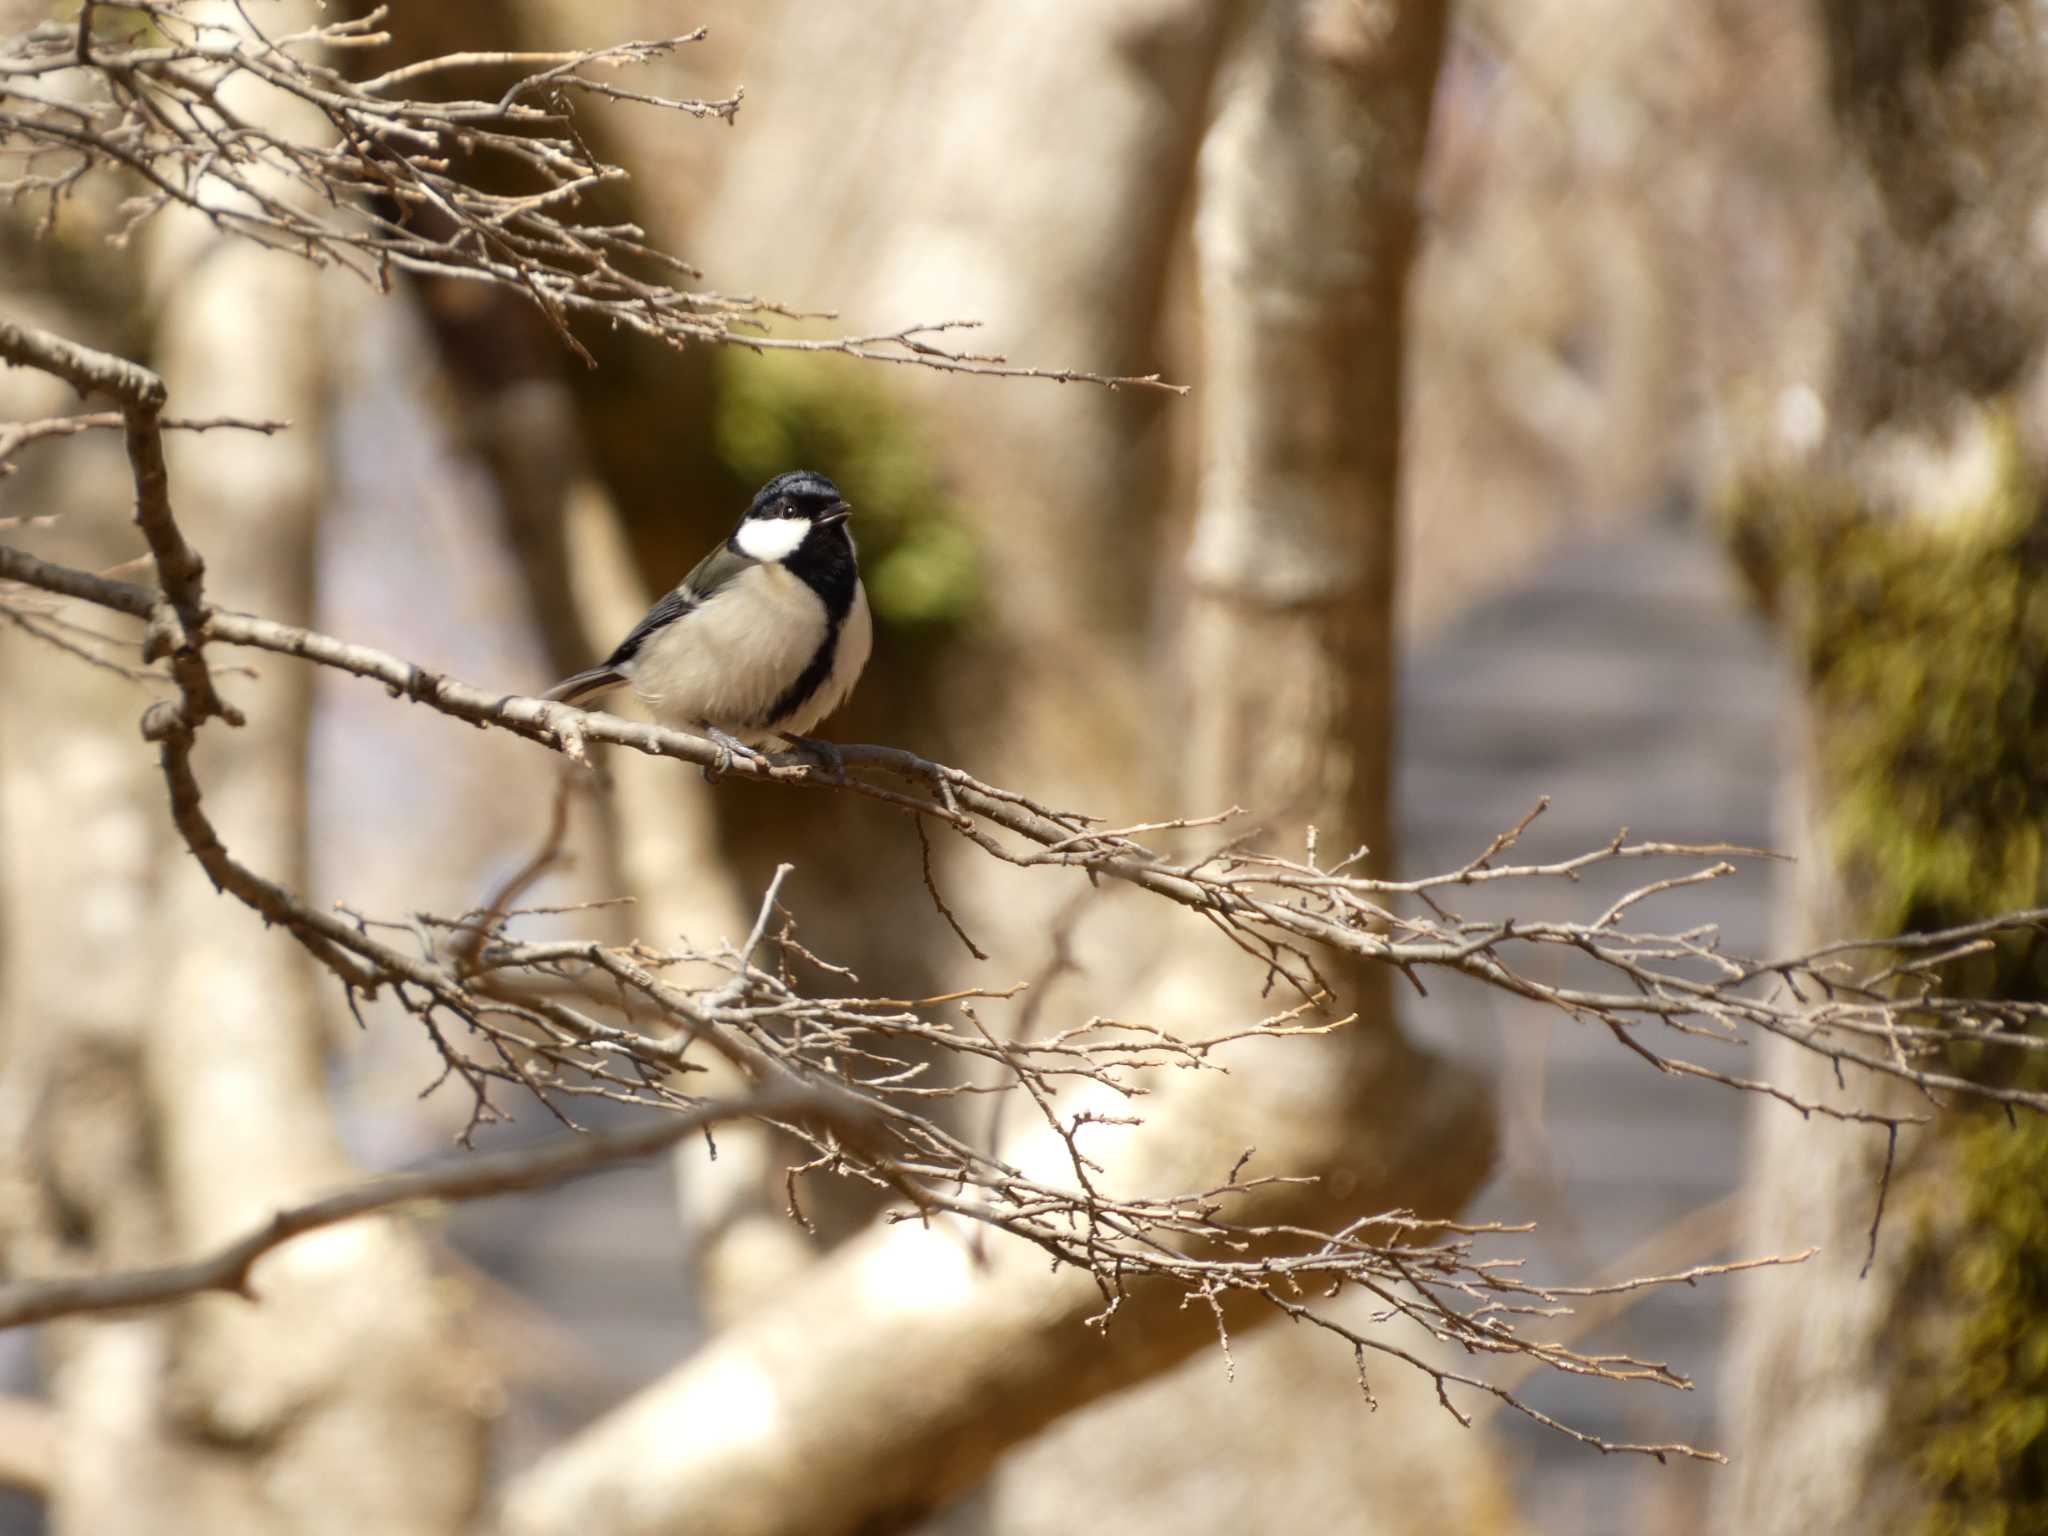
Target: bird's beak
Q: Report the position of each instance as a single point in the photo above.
(838, 512)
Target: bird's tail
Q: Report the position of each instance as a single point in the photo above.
(572, 689)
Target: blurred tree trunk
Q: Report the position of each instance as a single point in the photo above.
(185, 1098)
(835, 192)
(607, 489)
(348, 1398)
(1898, 530)
(1321, 114)
(78, 807)
(892, 1378)
(578, 459)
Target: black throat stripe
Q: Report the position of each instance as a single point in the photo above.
(824, 562)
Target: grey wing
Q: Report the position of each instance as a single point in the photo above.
(715, 571)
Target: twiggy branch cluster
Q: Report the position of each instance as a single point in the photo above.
(146, 92)
(1874, 1004)
(569, 1018)
(154, 93)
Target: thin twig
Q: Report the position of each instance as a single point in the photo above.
(474, 1177)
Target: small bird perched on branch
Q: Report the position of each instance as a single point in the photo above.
(766, 637)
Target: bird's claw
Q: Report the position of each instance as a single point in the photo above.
(729, 747)
(829, 757)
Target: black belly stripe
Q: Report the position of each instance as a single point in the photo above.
(825, 564)
(808, 681)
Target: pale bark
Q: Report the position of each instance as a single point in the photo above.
(28, 1446)
(1284, 1443)
(1304, 230)
(78, 796)
(1809, 1394)
(890, 1379)
(1319, 126)
(345, 1398)
(600, 500)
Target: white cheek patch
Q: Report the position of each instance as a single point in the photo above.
(772, 538)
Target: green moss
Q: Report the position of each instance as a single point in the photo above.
(1925, 647)
(1974, 1418)
(1925, 644)
(920, 561)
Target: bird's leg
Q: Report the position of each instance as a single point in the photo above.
(729, 746)
(828, 756)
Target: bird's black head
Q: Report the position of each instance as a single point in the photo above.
(792, 512)
(799, 494)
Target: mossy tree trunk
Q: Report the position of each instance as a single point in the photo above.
(1902, 546)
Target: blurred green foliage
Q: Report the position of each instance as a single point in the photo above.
(921, 563)
(1925, 644)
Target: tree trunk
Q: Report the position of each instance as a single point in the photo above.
(606, 489)
(347, 1399)
(1902, 543)
(1319, 124)
(79, 798)
(190, 1100)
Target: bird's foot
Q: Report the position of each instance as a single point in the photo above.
(829, 757)
(729, 747)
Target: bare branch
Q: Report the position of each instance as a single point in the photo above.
(16, 435)
(394, 185)
(564, 1019)
(1271, 905)
(477, 1176)
(541, 1026)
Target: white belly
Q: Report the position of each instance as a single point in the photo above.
(728, 662)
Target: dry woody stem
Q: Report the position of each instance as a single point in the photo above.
(562, 1020)
(136, 88)
(133, 89)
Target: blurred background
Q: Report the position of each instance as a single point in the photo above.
(1633, 403)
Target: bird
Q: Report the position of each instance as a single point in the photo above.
(765, 637)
